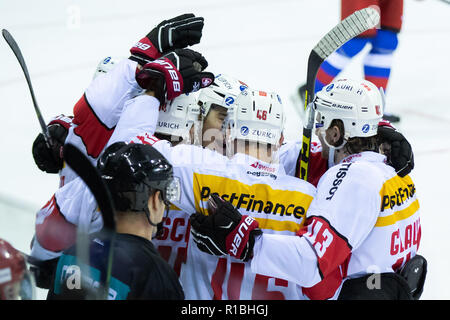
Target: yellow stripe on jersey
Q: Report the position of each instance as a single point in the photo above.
(398, 216)
(275, 209)
(396, 191)
(174, 208)
(276, 225)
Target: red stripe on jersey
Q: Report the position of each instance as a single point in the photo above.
(218, 278)
(332, 250)
(317, 167)
(261, 291)
(326, 288)
(94, 133)
(235, 280)
(55, 233)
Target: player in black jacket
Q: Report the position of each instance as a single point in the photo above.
(141, 183)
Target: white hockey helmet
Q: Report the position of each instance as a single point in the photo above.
(256, 116)
(223, 92)
(105, 65)
(178, 116)
(358, 103)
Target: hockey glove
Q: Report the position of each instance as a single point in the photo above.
(399, 152)
(50, 160)
(176, 33)
(177, 72)
(224, 230)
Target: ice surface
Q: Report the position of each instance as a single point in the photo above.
(264, 43)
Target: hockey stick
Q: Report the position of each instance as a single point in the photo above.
(89, 174)
(16, 50)
(353, 25)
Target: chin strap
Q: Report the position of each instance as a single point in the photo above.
(331, 153)
(159, 226)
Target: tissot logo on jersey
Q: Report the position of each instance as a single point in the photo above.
(342, 172)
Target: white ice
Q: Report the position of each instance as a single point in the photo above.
(265, 43)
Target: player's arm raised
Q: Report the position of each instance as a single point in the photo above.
(99, 109)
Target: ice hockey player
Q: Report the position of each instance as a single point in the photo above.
(175, 121)
(251, 179)
(141, 183)
(106, 65)
(198, 118)
(16, 282)
(173, 242)
(93, 122)
(50, 160)
(254, 182)
(192, 119)
(97, 113)
(362, 231)
(398, 151)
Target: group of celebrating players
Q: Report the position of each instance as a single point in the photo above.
(204, 188)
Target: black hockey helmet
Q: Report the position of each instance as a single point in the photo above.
(132, 171)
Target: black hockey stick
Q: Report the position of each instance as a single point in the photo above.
(91, 177)
(16, 50)
(353, 25)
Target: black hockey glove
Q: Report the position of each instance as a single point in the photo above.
(50, 160)
(224, 230)
(399, 152)
(177, 72)
(176, 33)
(43, 271)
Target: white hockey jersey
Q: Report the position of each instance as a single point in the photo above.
(364, 219)
(172, 245)
(98, 113)
(262, 190)
(277, 201)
